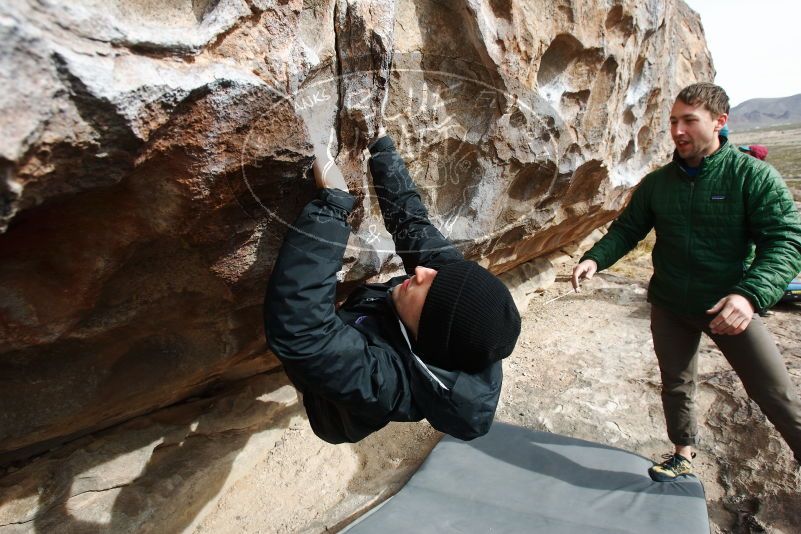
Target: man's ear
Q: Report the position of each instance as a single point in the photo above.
(722, 119)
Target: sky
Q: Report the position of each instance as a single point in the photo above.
(755, 45)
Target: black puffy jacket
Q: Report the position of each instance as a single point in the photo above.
(355, 366)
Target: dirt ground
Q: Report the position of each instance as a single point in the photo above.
(784, 150)
(585, 367)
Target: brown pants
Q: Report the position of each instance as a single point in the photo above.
(753, 356)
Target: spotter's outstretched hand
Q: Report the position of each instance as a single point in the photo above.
(583, 271)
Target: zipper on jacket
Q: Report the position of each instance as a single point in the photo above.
(689, 244)
(417, 358)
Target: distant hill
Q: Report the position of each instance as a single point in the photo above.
(759, 112)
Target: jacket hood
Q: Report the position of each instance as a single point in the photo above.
(466, 410)
(458, 403)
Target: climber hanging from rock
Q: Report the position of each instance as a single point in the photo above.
(425, 345)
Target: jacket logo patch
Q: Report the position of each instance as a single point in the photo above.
(718, 197)
(361, 319)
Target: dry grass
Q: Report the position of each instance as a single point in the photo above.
(637, 263)
(784, 149)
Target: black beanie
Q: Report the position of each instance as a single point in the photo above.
(468, 321)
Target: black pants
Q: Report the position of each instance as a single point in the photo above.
(753, 356)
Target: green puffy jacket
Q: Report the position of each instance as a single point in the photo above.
(704, 229)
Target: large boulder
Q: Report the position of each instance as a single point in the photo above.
(153, 153)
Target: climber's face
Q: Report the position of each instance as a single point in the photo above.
(410, 296)
(695, 131)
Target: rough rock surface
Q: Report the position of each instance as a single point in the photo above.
(153, 152)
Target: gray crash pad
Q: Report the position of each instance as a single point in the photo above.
(519, 480)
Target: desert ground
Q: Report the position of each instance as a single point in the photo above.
(585, 367)
(784, 151)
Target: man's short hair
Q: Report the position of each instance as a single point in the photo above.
(713, 97)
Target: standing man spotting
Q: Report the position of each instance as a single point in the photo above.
(706, 207)
(425, 345)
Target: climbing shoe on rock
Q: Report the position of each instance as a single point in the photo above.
(674, 466)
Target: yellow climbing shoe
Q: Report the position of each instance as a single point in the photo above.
(674, 466)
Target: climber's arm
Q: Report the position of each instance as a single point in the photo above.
(417, 241)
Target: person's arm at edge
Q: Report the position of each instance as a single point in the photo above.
(631, 226)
